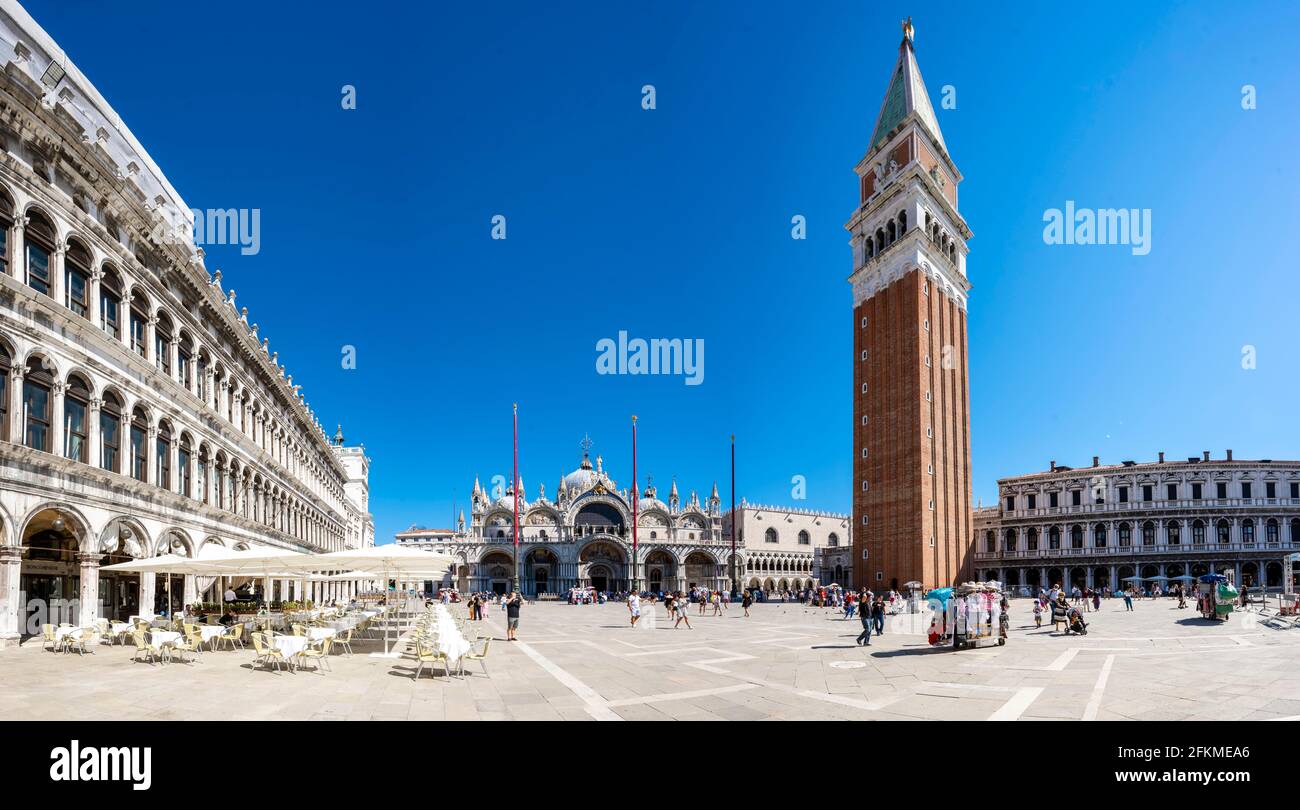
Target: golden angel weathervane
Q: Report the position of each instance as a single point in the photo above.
(909, 32)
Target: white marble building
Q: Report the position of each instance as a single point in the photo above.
(1096, 526)
(140, 410)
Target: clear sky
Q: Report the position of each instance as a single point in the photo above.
(675, 222)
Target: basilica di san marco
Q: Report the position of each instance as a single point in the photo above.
(583, 539)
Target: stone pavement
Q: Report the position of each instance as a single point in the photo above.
(784, 662)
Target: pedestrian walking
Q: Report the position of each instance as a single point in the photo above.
(681, 611)
(634, 608)
(878, 615)
(746, 601)
(864, 616)
(1128, 599)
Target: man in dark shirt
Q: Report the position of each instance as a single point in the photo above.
(512, 614)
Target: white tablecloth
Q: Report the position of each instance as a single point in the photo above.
(346, 623)
(211, 631)
(450, 641)
(162, 637)
(62, 632)
(290, 645)
(318, 633)
(118, 627)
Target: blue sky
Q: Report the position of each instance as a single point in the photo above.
(675, 223)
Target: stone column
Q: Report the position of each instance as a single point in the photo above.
(148, 586)
(57, 390)
(174, 462)
(88, 562)
(17, 429)
(124, 317)
(17, 257)
(1114, 578)
(92, 294)
(58, 284)
(93, 451)
(150, 330)
(174, 358)
(12, 606)
(151, 454)
(124, 442)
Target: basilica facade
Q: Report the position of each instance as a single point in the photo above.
(583, 539)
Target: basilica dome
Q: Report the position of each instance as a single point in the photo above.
(582, 478)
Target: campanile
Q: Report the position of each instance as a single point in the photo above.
(911, 421)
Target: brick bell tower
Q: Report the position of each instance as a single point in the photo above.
(911, 402)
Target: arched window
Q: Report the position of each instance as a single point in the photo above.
(1248, 531)
(1222, 531)
(139, 445)
(183, 465)
(201, 470)
(76, 276)
(1125, 535)
(1173, 533)
(1099, 535)
(201, 377)
(6, 363)
(1295, 530)
(6, 222)
(164, 453)
(880, 239)
(1148, 533)
(891, 233)
(184, 367)
(833, 540)
(38, 246)
(1031, 540)
(770, 536)
(37, 384)
(138, 321)
(76, 430)
(990, 540)
(219, 480)
(1054, 537)
(1271, 531)
(1198, 533)
(110, 303)
(804, 539)
(162, 343)
(110, 433)
(1076, 537)
(1009, 540)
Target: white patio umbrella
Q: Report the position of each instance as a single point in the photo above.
(264, 562)
(163, 564)
(377, 561)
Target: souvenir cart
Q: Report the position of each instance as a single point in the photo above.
(969, 615)
(1215, 596)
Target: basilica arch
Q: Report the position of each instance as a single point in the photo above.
(602, 565)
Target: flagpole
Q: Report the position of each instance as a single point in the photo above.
(634, 479)
(734, 590)
(514, 486)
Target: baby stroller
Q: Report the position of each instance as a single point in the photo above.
(1074, 623)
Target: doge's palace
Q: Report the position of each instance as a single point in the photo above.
(141, 412)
